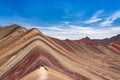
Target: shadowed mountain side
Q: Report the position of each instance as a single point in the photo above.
(25, 51)
(106, 41)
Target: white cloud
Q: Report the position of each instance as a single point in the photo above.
(94, 18)
(77, 32)
(71, 31)
(66, 22)
(109, 20)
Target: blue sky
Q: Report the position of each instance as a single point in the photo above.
(63, 19)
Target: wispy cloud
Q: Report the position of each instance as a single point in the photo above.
(94, 18)
(109, 20)
(77, 32)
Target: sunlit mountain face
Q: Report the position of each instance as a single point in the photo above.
(32, 55)
(59, 40)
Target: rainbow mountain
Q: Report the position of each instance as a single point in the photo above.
(31, 55)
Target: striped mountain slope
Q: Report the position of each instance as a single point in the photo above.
(31, 55)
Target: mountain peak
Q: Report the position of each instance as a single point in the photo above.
(107, 41)
(85, 38)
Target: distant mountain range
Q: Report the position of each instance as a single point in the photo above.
(31, 55)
